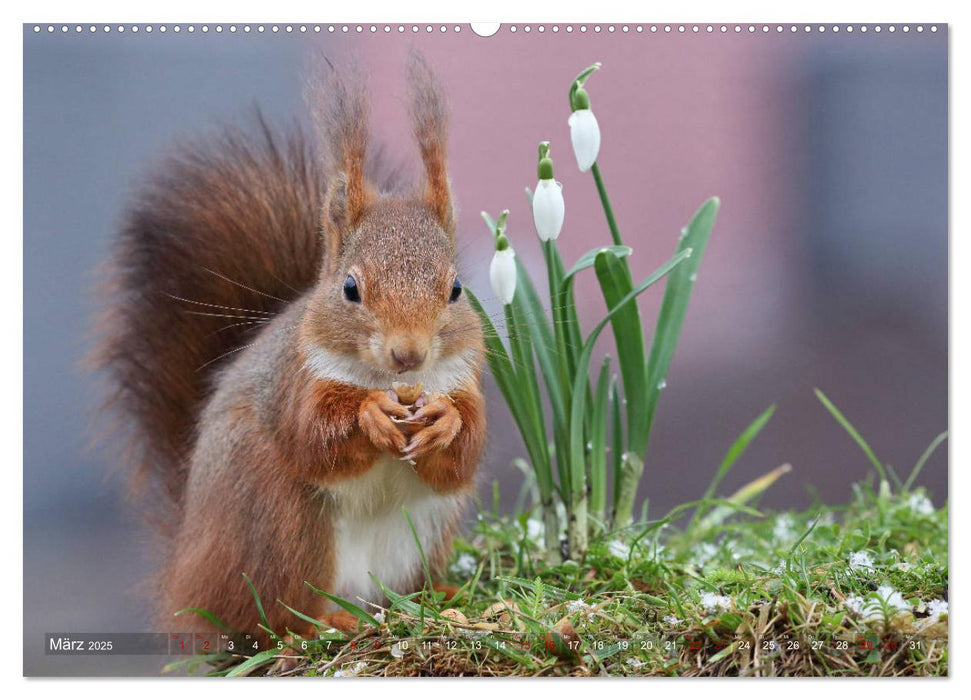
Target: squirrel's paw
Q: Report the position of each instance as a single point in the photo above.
(374, 417)
(445, 423)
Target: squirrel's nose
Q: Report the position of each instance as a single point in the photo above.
(407, 359)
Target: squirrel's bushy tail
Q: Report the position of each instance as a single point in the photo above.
(216, 242)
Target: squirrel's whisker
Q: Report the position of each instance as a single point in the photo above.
(215, 315)
(219, 306)
(243, 286)
(216, 359)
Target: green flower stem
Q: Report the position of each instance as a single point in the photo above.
(605, 201)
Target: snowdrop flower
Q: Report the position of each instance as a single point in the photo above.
(584, 131)
(861, 560)
(936, 609)
(548, 205)
(670, 620)
(379, 616)
(396, 650)
(502, 271)
(712, 602)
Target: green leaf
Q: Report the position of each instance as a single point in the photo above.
(598, 444)
(490, 222)
(674, 307)
(535, 314)
(501, 367)
(615, 283)
(348, 606)
(616, 440)
(578, 404)
(587, 259)
(848, 427)
(528, 390)
(544, 344)
(264, 657)
(516, 379)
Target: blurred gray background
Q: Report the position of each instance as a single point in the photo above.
(827, 268)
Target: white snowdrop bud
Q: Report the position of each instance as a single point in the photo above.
(548, 205)
(584, 132)
(502, 271)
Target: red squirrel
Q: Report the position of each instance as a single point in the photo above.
(264, 298)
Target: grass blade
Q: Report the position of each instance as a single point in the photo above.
(208, 616)
(734, 452)
(398, 601)
(744, 495)
(421, 550)
(923, 460)
(259, 606)
(559, 594)
(347, 605)
(252, 662)
(318, 625)
(848, 427)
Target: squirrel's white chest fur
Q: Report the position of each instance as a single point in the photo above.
(372, 535)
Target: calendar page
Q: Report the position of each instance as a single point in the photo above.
(543, 349)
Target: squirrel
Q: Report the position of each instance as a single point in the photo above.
(263, 300)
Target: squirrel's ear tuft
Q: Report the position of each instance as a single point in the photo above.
(429, 114)
(341, 110)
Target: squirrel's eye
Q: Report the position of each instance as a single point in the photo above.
(456, 292)
(351, 292)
